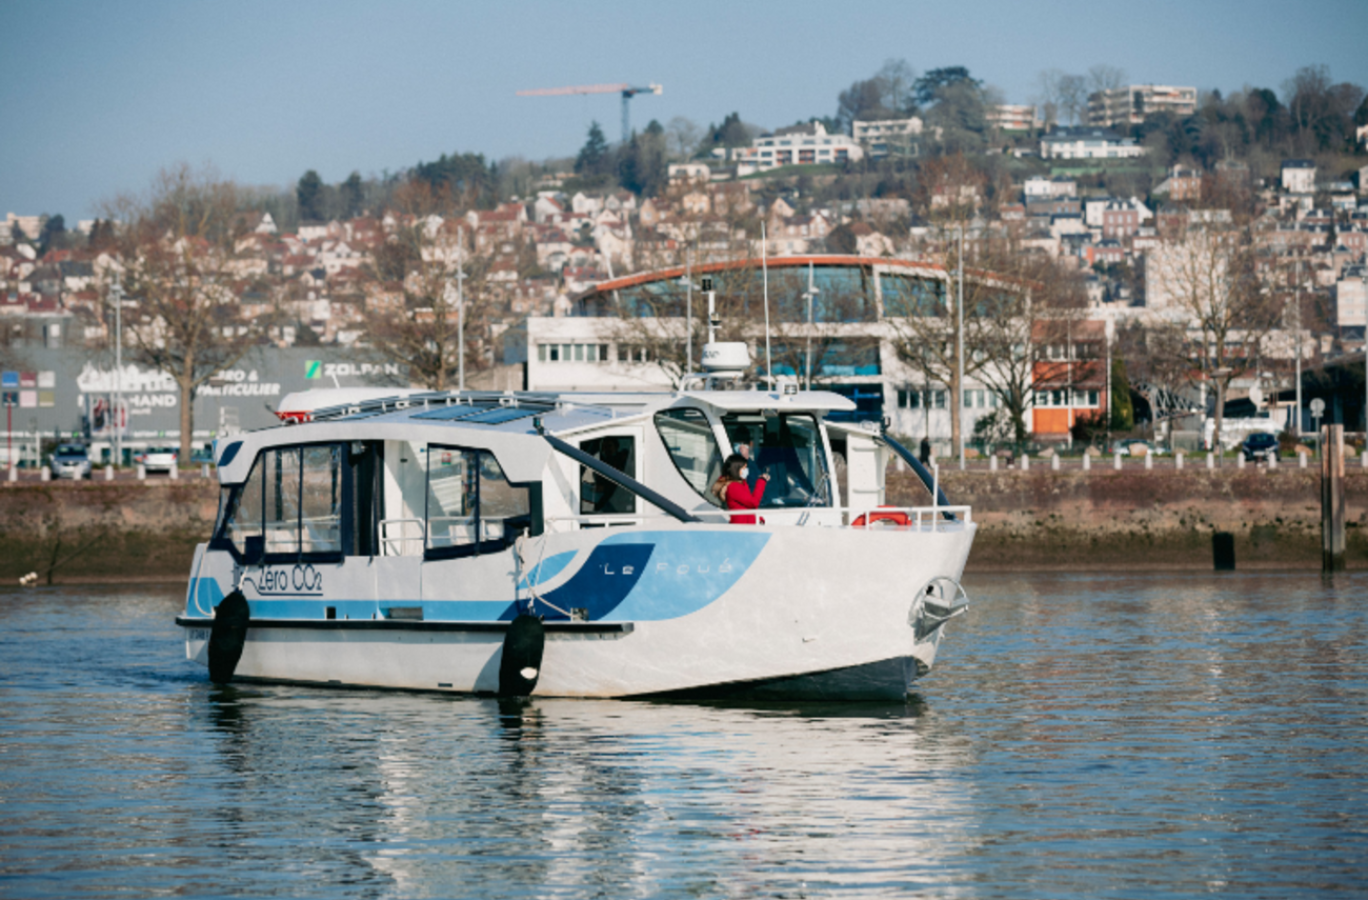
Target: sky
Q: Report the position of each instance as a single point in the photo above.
(97, 96)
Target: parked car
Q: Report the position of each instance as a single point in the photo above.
(1260, 445)
(1139, 447)
(158, 459)
(70, 461)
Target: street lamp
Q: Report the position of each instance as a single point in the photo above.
(460, 325)
(810, 294)
(687, 281)
(959, 350)
(116, 289)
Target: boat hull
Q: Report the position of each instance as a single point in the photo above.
(764, 612)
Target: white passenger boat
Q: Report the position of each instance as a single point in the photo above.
(571, 545)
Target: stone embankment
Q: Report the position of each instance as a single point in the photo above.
(1140, 519)
(103, 531)
(1131, 519)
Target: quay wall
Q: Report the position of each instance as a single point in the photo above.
(1137, 519)
(1133, 519)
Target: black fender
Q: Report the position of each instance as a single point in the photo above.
(227, 636)
(520, 663)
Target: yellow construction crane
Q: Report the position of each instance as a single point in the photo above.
(627, 91)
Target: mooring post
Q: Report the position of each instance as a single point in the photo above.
(1332, 498)
(1223, 551)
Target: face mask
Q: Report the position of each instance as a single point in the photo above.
(745, 473)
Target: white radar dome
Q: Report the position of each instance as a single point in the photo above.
(726, 358)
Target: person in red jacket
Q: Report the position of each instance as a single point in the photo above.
(736, 493)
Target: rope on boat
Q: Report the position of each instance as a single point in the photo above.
(520, 544)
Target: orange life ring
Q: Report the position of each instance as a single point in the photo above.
(896, 516)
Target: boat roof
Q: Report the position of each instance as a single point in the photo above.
(498, 421)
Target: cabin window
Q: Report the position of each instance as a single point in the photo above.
(291, 501)
(787, 447)
(471, 506)
(600, 495)
(688, 436)
(242, 516)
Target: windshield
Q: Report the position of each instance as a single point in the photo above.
(70, 450)
(788, 448)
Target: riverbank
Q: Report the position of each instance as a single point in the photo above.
(1138, 519)
(1133, 519)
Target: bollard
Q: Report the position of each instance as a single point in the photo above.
(992, 463)
(1087, 462)
(1054, 462)
(1178, 460)
(1273, 461)
(1116, 461)
(1332, 498)
(1211, 460)
(109, 472)
(204, 468)
(45, 474)
(142, 472)
(174, 472)
(1149, 462)
(898, 465)
(1223, 551)
(13, 473)
(1239, 460)
(1025, 462)
(1301, 454)
(1363, 458)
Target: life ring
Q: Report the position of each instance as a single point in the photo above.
(883, 514)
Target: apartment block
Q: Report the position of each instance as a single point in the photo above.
(1132, 104)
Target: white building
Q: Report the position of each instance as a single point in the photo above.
(805, 145)
(1351, 298)
(1133, 103)
(1088, 143)
(885, 137)
(1299, 176)
(1013, 117)
(1040, 186)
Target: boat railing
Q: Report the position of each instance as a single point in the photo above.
(399, 544)
(920, 518)
(910, 518)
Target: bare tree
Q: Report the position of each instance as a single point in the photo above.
(1022, 302)
(682, 137)
(1073, 97)
(1047, 94)
(1204, 278)
(1105, 78)
(420, 323)
(178, 253)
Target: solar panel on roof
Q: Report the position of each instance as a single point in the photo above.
(500, 415)
(448, 413)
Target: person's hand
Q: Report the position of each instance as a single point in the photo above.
(765, 476)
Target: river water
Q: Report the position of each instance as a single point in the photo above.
(1082, 736)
